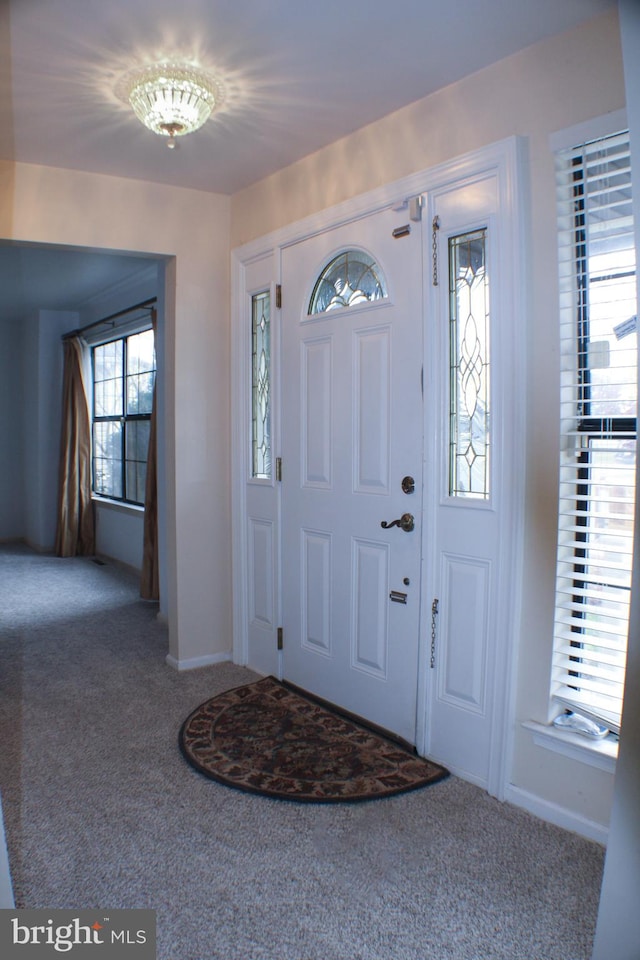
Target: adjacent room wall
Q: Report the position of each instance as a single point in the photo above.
(101, 212)
(548, 87)
(120, 533)
(11, 449)
(30, 398)
(42, 361)
(31, 360)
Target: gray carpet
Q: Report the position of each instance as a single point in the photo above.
(101, 810)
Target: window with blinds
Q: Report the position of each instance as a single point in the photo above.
(598, 427)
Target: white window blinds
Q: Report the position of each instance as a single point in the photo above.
(598, 427)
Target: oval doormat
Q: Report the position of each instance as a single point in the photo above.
(267, 738)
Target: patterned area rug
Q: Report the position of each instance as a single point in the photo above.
(269, 739)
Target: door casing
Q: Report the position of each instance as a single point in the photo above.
(255, 266)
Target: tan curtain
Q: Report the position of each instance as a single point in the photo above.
(149, 580)
(75, 533)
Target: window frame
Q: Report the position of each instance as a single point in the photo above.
(124, 418)
(589, 432)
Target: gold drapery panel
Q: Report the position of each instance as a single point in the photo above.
(75, 534)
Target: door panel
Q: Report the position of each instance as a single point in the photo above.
(261, 571)
(316, 592)
(464, 417)
(464, 657)
(316, 391)
(352, 428)
(372, 354)
(370, 577)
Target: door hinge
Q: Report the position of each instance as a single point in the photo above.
(280, 638)
(279, 469)
(279, 296)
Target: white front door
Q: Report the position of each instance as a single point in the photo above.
(351, 432)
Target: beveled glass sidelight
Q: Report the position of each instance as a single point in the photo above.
(350, 278)
(261, 385)
(469, 399)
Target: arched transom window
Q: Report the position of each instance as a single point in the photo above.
(351, 277)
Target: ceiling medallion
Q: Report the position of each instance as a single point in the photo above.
(172, 99)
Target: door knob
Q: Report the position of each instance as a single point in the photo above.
(406, 522)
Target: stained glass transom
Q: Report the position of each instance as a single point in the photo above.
(351, 277)
(261, 385)
(469, 413)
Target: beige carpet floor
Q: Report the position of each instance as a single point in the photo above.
(102, 810)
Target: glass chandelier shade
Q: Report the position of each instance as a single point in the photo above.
(172, 99)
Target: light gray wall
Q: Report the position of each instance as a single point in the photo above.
(618, 928)
(42, 412)
(120, 533)
(11, 458)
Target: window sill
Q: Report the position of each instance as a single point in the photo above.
(597, 753)
(130, 508)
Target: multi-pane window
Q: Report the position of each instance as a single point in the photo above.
(598, 427)
(123, 378)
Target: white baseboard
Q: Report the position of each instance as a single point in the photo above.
(560, 816)
(195, 662)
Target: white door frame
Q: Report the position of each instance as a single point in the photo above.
(506, 160)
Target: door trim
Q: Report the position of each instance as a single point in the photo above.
(507, 160)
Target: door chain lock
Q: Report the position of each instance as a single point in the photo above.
(434, 614)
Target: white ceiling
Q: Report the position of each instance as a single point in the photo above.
(298, 75)
(34, 277)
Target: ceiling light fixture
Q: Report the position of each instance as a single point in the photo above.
(171, 99)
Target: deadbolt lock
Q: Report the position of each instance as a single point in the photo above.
(408, 485)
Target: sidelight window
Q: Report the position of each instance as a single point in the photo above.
(469, 395)
(261, 385)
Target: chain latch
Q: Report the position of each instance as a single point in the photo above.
(435, 226)
(434, 614)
